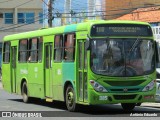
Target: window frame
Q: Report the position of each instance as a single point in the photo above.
(5, 52)
(70, 47)
(25, 19)
(19, 51)
(40, 57)
(40, 17)
(61, 39)
(8, 18)
(29, 50)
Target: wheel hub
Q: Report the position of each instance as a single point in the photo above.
(70, 98)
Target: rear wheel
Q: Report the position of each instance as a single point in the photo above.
(25, 96)
(70, 99)
(128, 106)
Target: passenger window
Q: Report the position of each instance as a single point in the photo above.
(23, 51)
(33, 50)
(58, 48)
(69, 47)
(6, 52)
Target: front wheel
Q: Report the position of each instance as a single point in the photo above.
(128, 106)
(70, 99)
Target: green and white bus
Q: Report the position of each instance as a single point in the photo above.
(95, 62)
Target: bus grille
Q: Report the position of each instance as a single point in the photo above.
(125, 83)
(128, 90)
(124, 97)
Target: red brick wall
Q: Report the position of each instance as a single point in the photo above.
(114, 8)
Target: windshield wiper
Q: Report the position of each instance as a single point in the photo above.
(135, 44)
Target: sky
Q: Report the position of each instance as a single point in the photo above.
(76, 6)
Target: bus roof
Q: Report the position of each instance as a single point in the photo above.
(66, 29)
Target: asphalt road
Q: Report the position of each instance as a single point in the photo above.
(14, 103)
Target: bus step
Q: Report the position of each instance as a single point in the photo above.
(49, 100)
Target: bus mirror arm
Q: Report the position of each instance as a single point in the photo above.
(157, 51)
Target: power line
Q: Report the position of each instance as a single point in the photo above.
(6, 1)
(55, 17)
(44, 2)
(23, 3)
(77, 17)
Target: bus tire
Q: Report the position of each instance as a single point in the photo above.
(25, 96)
(128, 106)
(70, 99)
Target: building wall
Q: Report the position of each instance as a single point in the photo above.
(15, 7)
(116, 8)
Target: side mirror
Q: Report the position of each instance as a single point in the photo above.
(157, 50)
(87, 44)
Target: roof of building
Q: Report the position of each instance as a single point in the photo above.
(150, 14)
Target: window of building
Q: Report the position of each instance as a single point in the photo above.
(58, 48)
(8, 18)
(1, 15)
(41, 18)
(6, 52)
(25, 18)
(69, 47)
(23, 51)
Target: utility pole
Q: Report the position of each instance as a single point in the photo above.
(50, 17)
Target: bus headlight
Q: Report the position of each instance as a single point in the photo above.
(150, 86)
(97, 86)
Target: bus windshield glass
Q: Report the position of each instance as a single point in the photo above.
(122, 57)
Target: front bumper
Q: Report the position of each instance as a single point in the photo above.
(114, 98)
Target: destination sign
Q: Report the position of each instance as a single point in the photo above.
(120, 30)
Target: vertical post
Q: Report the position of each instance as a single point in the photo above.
(15, 16)
(67, 7)
(50, 13)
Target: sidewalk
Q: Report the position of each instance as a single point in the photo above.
(155, 105)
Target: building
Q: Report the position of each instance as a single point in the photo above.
(117, 8)
(15, 14)
(19, 16)
(150, 15)
(70, 11)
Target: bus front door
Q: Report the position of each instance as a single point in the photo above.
(82, 72)
(48, 70)
(13, 75)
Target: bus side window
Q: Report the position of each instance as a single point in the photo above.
(23, 50)
(6, 52)
(69, 47)
(58, 48)
(33, 50)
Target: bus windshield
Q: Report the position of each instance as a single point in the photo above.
(122, 57)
